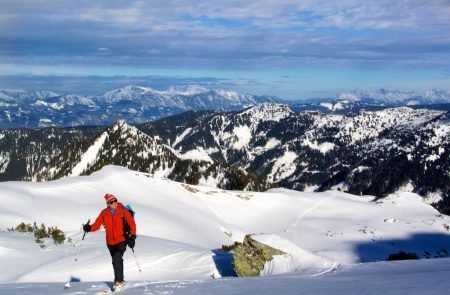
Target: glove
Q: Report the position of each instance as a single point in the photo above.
(131, 241)
(87, 227)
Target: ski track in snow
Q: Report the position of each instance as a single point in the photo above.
(309, 210)
(217, 214)
(334, 267)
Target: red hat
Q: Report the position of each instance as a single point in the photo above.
(109, 197)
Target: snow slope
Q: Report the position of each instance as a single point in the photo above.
(180, 226)
(89, 156)
(406, 277)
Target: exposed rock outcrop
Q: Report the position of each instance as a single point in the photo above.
(251, 256)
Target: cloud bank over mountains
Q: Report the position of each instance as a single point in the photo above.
(265, 40)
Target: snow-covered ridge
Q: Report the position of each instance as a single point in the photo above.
(370, 124)
(268, 112)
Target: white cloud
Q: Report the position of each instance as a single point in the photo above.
(379, 14)
(228, 34)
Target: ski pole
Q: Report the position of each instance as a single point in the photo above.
(140, 270)
(67, 285)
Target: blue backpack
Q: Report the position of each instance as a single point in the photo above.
(126, 226)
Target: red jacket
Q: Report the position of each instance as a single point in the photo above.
(114, 225)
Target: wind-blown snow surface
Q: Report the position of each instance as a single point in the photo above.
(180, 226)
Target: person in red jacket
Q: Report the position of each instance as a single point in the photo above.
(112, 219)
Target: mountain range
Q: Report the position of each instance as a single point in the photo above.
(395, 97)
(370, 152)
(137, 104)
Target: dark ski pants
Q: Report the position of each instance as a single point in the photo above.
(117, 261)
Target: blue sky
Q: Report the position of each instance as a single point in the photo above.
(293, 49)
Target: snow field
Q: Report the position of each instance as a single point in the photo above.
(180, 226)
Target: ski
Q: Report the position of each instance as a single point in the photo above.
(113, 289)
(118, 288)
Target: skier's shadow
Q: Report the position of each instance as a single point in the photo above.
(223, 261)
(109, 284)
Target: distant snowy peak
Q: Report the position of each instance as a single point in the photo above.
(188, 90)
(129, 92)
(44, 94)
(395, 97)
(349, 96)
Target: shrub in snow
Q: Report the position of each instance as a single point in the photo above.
(41, 233)
(57, 235)
(23, 228)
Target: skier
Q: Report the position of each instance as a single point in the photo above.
(113, 218)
